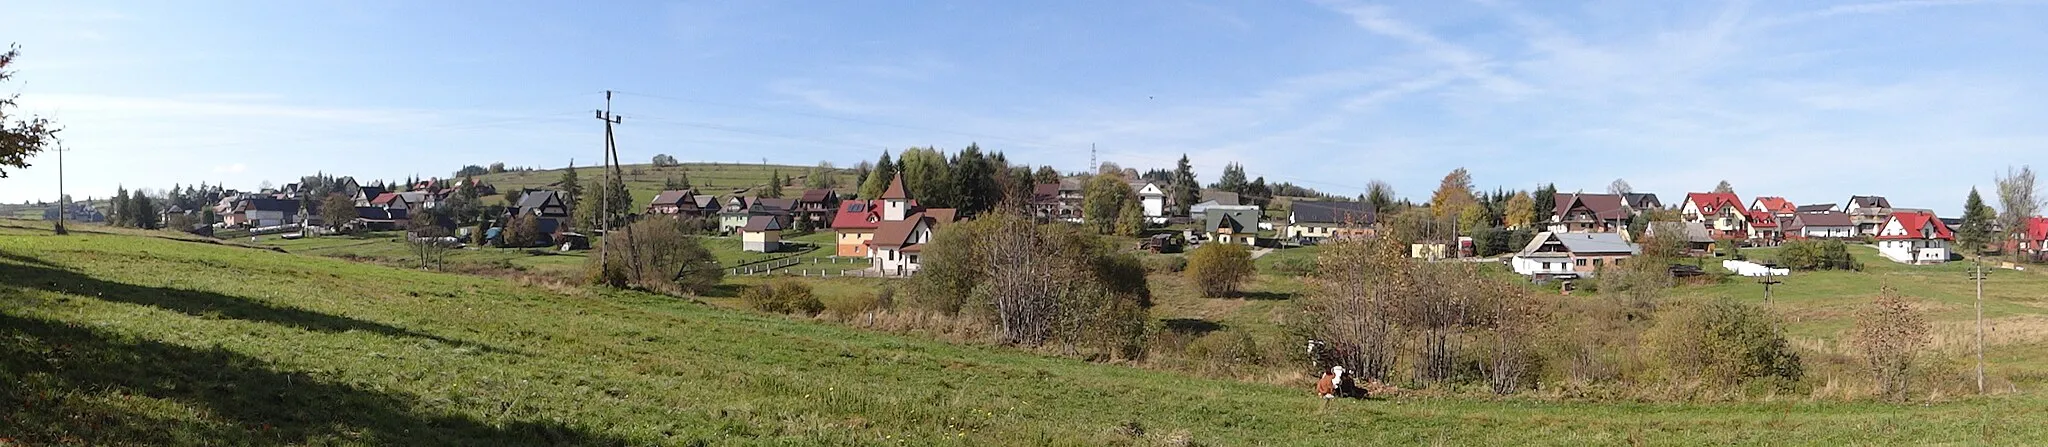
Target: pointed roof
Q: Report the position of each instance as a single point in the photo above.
(1711, 203)
(1774, 204)
(1914, 221)
(1603, 206)
(895, 190)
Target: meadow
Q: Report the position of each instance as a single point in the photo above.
(644, 181)
(123, 337)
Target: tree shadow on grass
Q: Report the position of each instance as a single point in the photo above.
(200, 304)
(67, 384)
(1191, 326)
(1266, 296)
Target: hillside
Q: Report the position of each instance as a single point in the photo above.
(121, 338)
(646, 180)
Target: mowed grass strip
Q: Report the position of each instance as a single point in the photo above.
(121, 339)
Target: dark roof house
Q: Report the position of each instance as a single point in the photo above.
(1334, 212)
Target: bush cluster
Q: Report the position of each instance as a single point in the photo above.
(783, 296)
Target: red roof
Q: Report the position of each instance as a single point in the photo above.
(2037, 228)
(1711, 203)
(1763, 219)
(1776, 205)
(858, 215)
(1914, 221)
(384, 198)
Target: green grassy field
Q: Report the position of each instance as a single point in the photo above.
(646, 180)
(119, 339)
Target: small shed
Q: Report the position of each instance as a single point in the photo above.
(762, 234)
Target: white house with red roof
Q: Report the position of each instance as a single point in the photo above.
(1721, 212)
(1914, 238)
(1765, 228)
(2032, 241)
(902, 231)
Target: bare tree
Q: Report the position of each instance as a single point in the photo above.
(1724, 188)
(2018, 200)
(1620, 187)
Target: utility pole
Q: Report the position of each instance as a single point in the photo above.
(1093, 168)
(1769, 281)
(63, 202)
(1977, 274)
(610, 166)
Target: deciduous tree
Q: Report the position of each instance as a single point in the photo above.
(1452, 195)
(1102, 200)
(1619, 187)
(20, 137)
(1724, 188)
(1521, 211)
(2019, 200)
(337, 210)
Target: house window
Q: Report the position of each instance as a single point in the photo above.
(1618, 261)
(1598, 262)
(1582, 262)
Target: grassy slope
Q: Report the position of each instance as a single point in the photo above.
(120, 339)
(714, 178)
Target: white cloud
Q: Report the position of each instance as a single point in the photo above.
(236, 168)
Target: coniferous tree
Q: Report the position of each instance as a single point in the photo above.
(572, 187)
(1184, 188)
(1975, 232)
(878, 180)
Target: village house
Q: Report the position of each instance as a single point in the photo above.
(1572, 255)
(372, 218)
(1058, 200)
(1698, 242)
(1765, 230)
(739, 210)
(1589, 213)
(1776, 206)
(1827, 224)
(368, 194)
(1816, 208)
(1721, 213)
(266, 212)
(1151, 200)
(1914, 238)
(1219, 201)
(855, 224)
(683, 203)
(1310, 222)
(817, 206)
(1231, 226)
(2032, 241)
(1641, 202)
(762, 234)
(550, 212)
(903, 230)
(1869, 212)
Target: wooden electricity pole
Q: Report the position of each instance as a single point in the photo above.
(63, 202)
(1977, 274)
(611, 157)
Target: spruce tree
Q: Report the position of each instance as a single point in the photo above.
(1975, 232)
(878, 180)
(1186, 191)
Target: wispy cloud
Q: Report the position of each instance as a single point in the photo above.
(1465, 61)
(235, 168)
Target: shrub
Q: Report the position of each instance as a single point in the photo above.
(1219, 269)
(1817, 255)
(1166, 264)
(783, 296)
(1722, 342)
(655, 254)
(1036, 284)
(1890, 334)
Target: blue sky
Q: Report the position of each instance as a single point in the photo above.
(1815, 101)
